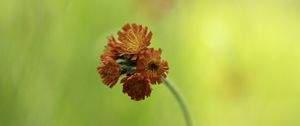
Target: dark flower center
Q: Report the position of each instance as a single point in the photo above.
(153, 66)
(128, 66)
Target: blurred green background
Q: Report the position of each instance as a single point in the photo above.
(237, 62)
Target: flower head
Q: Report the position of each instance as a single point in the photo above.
(110, 71)
(151, 66)
(136, 86)
(130, 56)
(111, 49)
(133, 39)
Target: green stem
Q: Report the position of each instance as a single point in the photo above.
(180, 101)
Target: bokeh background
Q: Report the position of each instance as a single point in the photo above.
(235, 61)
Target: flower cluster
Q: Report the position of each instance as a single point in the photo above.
(130, 56)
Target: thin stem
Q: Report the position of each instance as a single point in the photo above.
(180, 101)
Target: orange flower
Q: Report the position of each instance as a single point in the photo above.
(136, 86)
(110, 71)
(129, 56)
(151, 66)
(111, 49)
(133, 39)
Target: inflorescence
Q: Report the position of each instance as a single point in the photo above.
(131, 57)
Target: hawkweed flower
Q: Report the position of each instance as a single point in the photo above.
(110, 71)
(133, 39)
(151, 66)
(129, 57)
(111, 49)
(136, 86)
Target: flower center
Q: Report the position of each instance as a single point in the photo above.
(153, 66)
